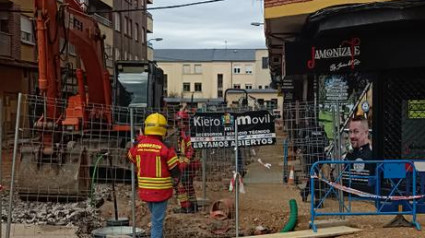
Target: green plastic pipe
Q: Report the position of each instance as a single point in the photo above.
(293, 214)
(92, 179)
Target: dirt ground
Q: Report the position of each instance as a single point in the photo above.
(265, 204)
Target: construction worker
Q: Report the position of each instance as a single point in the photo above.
(188, 165)
(157, 170)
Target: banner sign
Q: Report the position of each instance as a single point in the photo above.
(217, 130)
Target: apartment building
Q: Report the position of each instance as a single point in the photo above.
(125, 33)
(131, 29)
(202, 76)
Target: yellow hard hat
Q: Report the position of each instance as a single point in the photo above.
(156, 124)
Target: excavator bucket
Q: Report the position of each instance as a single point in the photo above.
(66, 177)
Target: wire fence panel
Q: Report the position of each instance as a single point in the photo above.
(72, 177)
(71, 166)
(307, 142)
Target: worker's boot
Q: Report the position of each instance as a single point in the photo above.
(183, 210)
(304, 194)
(194, 206)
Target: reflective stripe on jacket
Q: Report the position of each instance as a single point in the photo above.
(154, 162)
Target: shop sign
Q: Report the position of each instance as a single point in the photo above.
(217, 130)
(342, 57)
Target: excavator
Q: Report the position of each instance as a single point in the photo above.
(67, 138)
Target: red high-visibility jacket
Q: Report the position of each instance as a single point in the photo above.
(187, 153)
(154, 162)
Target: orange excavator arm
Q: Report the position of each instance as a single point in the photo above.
(70, 23)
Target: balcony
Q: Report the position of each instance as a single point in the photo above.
(102, 20)
(150, 53)
(149, 23)
(5, 44)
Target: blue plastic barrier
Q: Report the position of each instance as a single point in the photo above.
(392, 172)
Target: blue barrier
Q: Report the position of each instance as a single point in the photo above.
(392, 172)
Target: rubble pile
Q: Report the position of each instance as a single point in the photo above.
(83, 215)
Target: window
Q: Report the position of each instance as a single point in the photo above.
(248, 86)
(125, 27)
(186, 69)
(136, 32)
(248, 69)
(260, 101)
(130, 57)
(4, 23)
(198, 69)
(136, 57)
(186, 87)
(220, 93)
(165, 91)
(219, 80)
(268, 105)
(27, 33)
(108, 51)
(260, 87)
(143, 36)
(117, 21)
(220, 85)
(198, 87)
(265, 62)
(237, 70)
(117, 54)
(266, 87)
(238, 86)
(130, 27)
(273, 103)
(125, 55)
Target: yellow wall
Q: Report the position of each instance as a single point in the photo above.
(251, 102)
(208, 77)
(299, 8)
(109, 2)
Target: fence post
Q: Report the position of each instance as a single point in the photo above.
(236, 180)
(12, 179)
(204, 176)
(337, 139)
(133, 190)
(1, 164)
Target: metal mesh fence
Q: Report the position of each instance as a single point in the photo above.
(402, 126)
(307, 142)
(64, 181)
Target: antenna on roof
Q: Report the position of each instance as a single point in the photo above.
(225, 44)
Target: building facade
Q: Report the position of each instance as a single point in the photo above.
(371, 49)
(202, 76)
(125, 38)
(131, 29)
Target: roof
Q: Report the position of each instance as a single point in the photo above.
(203, 55)
(197, 100)
(266, 90)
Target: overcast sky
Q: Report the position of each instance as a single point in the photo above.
(208, 26)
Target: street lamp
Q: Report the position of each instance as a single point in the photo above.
(257, 23)
(155, 39)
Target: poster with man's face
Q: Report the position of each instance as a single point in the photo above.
(352, 92)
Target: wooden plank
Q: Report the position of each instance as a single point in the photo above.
(324, 232)
(39, 231)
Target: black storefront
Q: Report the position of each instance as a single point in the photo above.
(383, 44)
